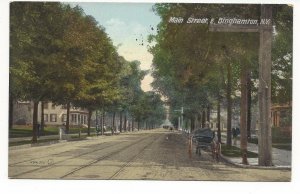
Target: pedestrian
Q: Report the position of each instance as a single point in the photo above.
(234, 135)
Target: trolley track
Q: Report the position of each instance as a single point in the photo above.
(56, 154)
(54, 164)
(132, 159)
(108, 156)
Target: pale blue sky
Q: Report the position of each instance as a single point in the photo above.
(124, 23)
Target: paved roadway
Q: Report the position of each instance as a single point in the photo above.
(145, 155)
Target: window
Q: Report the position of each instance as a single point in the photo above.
(45, 117)
(64, 118)
(53, 117)
(73, 118)
(53, 106)
(79, 118)
(46, 105)
(84, 119)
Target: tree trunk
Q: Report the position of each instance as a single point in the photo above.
(249, 105)
(68, 117)
(199, 120)
(203, 119)
(125, 122)
(11, 113)
(229, 104)
(219, 118)
(243, 118)
(138, 124)
(35, 121)
(42, 119)
(113, 124)
(102, 123)
(132, 124)
(192, 124)
(208, 114)
(121, 122)
(89, 122)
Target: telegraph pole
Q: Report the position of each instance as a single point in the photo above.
(264, 92)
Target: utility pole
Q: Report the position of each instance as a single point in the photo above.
(181, 117)
(264, 92)
(179, 123)
(97, 122)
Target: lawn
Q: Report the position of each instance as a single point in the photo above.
(25, 131)
(232, 151)
(54, 140)
(280, 140)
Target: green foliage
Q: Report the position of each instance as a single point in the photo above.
(35, 33)
(59, 53)
(282, 55)
(190, 61)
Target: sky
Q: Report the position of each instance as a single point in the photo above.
(128, 25)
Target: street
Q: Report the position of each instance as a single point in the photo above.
(157, 154)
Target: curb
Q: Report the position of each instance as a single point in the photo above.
(226, 159)
(40, 144)
(59, 141)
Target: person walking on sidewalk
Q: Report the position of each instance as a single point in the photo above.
(234, 135)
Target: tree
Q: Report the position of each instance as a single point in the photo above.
(60, 54)
(36, 30)
(282, 54)
(191, 57)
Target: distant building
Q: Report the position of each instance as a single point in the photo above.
(281, 115)
(167, 124)
(53, 114)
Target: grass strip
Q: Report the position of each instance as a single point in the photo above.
(232, 151)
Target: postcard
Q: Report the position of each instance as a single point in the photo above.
(150, 91)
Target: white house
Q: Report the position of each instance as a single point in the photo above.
(53, 114)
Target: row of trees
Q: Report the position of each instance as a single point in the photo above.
(202, 70)
(59, 54)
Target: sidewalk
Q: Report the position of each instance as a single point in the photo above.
(55, 137)
(281, 158)
(18, 139)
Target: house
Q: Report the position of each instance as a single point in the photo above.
(281, 116)
(53, 114)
